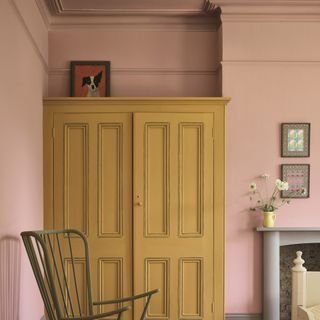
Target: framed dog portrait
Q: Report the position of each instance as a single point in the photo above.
(90, 79)
(295, 140)
(298, 178)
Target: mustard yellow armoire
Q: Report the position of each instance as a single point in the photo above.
(144, 179)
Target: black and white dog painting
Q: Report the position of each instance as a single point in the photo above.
(92, 82)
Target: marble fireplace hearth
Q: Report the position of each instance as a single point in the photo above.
(273, 239)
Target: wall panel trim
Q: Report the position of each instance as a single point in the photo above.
(228, 63)
(146, 71)
(269, 11)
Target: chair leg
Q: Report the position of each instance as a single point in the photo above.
(119, 316)
(144, 312)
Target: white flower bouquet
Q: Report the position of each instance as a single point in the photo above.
(260, 199)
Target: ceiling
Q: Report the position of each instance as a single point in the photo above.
(128, 7)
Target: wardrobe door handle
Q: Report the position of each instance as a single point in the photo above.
(139, 204)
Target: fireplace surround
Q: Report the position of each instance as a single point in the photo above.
(273, 239)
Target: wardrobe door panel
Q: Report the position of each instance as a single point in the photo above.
(93, 193)
(177, 254)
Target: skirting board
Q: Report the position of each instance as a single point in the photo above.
(243, 316)
(232, 316)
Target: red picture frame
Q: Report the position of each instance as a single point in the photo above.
(90, 78)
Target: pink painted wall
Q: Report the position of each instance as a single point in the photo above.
(145, 60)
(271, 70)
(23, 63)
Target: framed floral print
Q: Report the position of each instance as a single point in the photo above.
(298, 178)
(295, 140)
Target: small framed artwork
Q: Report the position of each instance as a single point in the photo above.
(298, 178)
(90, 79)
(295, 139)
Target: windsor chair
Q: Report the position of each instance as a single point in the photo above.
(66, 292)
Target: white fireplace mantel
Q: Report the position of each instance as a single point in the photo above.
(273, 239)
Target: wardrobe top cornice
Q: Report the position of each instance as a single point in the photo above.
(135, 104)
(223, 100)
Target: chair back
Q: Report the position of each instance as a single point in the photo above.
(60, 263)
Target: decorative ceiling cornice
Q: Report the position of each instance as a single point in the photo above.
(204, 16)
(270, 10)
(125, 7)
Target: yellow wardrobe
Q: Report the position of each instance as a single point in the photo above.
(143, 178)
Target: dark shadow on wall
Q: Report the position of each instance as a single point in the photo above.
(10, 259)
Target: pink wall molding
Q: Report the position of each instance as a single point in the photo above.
(189, 15)
(125, 7)
(269, 10)
(129, 7)
(147, 71)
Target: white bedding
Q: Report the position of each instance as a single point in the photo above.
(315, 310)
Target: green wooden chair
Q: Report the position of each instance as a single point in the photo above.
(66, 293)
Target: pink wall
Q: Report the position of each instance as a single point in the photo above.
(145, 60)
(271, 70)
(24, 81)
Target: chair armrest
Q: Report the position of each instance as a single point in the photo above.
(100, 315)
(138, 296)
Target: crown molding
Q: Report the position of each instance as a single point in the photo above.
(269, 11)
(128, 12)
(202, 23)
(205, 18)
(141, 7)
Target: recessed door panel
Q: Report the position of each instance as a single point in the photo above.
(191, 288)
(190, 179)
(110, 176)
(156, 179)
(157, 276)
(110, 281)
(75, 182)
(77, 294)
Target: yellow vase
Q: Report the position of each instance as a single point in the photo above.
(269, 217)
